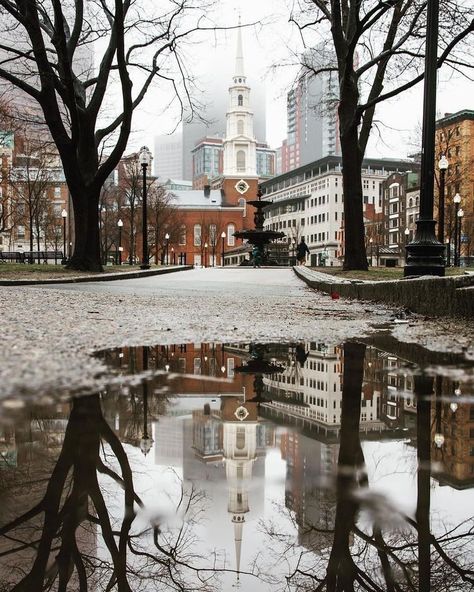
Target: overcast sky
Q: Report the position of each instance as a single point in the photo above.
(270, 44)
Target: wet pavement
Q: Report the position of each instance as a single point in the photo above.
(296, 465)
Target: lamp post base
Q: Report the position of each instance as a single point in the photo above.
(145, 266)
(425, 254)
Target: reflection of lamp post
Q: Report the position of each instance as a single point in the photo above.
(456, 201)
(64, 216)
(442, 165)
(145, 161)
(167, 239)
(223, 239)
(120, 225)
(146, 441)
(460, 216)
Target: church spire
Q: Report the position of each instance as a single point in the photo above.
(239, 55)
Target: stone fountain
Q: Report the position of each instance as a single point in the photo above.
(258, 236)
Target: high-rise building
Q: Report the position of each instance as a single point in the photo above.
(167, 160)
(312, 119)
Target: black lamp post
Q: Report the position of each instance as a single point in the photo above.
(64, 217)
(173, 261)
(371, 243)
(205, 254)
(120, 225)
(145, 161)
(460, 216)
(167, 238)
(457, 201)
(103, 229)
(222, 255)
(425, 253)
(442, 165)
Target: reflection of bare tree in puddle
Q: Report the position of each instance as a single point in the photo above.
(75, 500)
(390, 552)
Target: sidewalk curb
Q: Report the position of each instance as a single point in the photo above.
(107, 277)
(428, 295)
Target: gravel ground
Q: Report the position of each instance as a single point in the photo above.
(50, 333)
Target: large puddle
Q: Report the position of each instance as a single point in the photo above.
(262, 466)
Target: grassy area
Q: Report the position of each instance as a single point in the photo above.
(381, 273)
(17, 271)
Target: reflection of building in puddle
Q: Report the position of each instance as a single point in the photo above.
(309, 491)
(308, 394)
(452, 434)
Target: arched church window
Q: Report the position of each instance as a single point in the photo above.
(240, 100)
(240, 157)
(242, 204)
(197, 235)
(240, 127)
(182, 235)
(230, 235)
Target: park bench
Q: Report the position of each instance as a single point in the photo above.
(15, 256)
(42, 256)
(26, 257)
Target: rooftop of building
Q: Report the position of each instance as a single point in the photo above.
(450, 118)
(197, 198)
(334, 163)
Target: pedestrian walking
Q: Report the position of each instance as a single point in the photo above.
(301, 251)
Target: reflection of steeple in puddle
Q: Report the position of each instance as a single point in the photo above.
(239, 422)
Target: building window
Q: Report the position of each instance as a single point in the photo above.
(240, 157)
(240, 100)
(197, 235)
(240, 440)
(182, 235)
(243, 204)
(230, 235)
(240, 127)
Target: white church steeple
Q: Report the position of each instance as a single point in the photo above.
(240, 156)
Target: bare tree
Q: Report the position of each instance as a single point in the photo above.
(377, 52)
(45, 45)
(163, 218)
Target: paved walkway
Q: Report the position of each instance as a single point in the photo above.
(49, 332)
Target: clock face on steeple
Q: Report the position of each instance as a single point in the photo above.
(241, 413)
(242, 186)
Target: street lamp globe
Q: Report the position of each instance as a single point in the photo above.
(144, 156)
(407, 231)
(443, 163)
(438, 440)
(223, 235)
(120, 223)
(457, 199)
(167, 236)
(460, 213)
(453, 407)
(145, 444)
(64, 214)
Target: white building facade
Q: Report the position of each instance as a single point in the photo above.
(308, 203)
